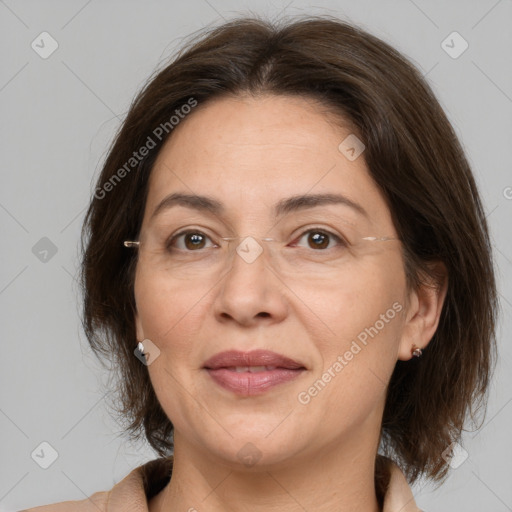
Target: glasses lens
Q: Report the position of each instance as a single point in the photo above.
(314, 253)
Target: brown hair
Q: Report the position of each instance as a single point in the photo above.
(412, 154)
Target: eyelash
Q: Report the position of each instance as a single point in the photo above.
(323, 231)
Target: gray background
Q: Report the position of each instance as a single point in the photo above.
(59, 115)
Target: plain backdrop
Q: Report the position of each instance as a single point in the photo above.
(59, 114)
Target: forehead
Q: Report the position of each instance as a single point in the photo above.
(250, 153)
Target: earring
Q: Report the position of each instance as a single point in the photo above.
(140, 346)
(415, 351)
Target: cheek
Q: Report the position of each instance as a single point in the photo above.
(364, 316)
(359, 356)
(354, 303)
(169, 310)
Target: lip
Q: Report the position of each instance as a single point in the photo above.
(221, 368)
(231, 358)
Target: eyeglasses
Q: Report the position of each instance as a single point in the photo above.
(192, 253)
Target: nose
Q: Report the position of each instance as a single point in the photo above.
(251, 292)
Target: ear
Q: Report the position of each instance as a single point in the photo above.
(424, 310)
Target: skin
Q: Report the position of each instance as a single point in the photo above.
(319, 456)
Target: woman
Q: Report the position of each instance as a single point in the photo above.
(287, 258)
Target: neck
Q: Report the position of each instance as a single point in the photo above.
(337, 478)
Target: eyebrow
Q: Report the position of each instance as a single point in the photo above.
(282, 207)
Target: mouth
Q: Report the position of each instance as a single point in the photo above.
(252, 373)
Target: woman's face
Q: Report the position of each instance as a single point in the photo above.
(337, 311)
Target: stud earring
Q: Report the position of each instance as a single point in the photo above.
(415, 351)
(140, 346)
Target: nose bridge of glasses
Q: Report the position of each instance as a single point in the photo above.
(248, 248)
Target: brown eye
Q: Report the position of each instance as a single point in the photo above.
(319, 239)
(188, 241)
(194, 241)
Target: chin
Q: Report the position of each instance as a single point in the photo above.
(254, 450)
